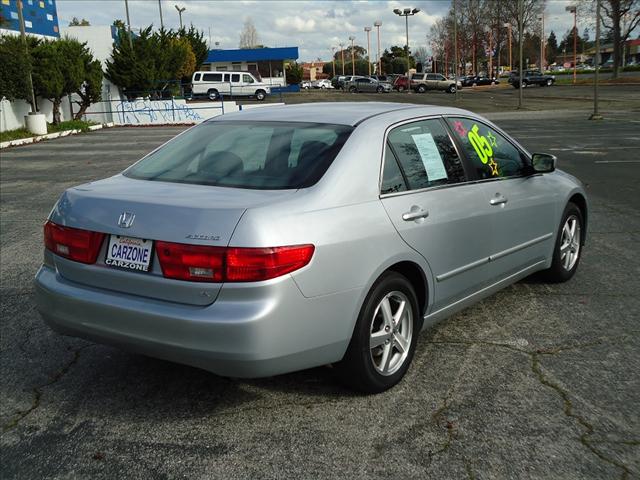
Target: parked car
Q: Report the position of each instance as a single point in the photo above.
(401, 83)
(531, 77)
(306, 85)
(478, 80)
(238, 84)
(382, 78)
(337, 81)
(364, 84)
(323, 84)
(278, 239)
(421, 82)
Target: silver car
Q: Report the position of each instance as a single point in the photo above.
(278, 239)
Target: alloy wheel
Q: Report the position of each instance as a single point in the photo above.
(391, 333)
(570, 242)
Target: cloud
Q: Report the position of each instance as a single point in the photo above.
(296, 23)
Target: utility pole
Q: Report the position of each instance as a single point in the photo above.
(23, 35)
(378, 24)
(541, 18)
(368, 30)
(520, 53)
(160, 8)
(508, 25)
(596, 115)
(126, 7)
(342, 56)
(333, 59)
(573, 9)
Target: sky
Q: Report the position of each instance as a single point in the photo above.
(314, 25)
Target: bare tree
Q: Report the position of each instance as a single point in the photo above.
(249, 34)
(620, 17)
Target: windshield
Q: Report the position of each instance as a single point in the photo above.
(259, 155)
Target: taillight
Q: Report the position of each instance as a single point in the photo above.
(230, 264)
(72, 243)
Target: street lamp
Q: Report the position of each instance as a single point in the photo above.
(180, 10)
(596, 60)
(508, 25)
(160, 8)
(368, 30)
(574, 10)
(378, 24)
(333, 59)
(126, 7)
(342, 56)
(353, 63)
(406, 13)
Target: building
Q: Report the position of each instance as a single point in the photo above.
(40, 17)
(630, 54)
(270, 63)
(313, 71)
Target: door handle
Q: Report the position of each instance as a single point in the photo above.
(498, 200)
(416, 213)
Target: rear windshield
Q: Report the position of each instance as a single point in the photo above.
(259, 155)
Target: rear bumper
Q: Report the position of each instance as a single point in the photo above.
(250, 331)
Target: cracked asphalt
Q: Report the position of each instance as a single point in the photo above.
(538, 381)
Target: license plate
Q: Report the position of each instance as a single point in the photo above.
(129, 253)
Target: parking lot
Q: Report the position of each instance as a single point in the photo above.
(538, 381)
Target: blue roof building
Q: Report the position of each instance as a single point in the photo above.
(269, 63)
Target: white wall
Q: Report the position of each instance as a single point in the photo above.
(12, 113)
(98, 40)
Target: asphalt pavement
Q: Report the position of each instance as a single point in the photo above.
(537, 381)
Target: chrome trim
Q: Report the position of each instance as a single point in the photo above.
(464, 268)
(522, 246)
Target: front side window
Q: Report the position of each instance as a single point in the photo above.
(492, 155)
(260, 155)
(247, 78)
(425, 154)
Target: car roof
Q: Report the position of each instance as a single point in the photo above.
(339, 113)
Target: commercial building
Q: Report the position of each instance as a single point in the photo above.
(40, 17)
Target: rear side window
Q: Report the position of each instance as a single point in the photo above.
(260, 155)
(392, 179)
(425, 154)
(235, 77)
(196, 78)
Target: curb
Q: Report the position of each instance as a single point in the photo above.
(51, 136)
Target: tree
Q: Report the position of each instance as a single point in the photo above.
(48, 74)
(16, 65)
(198, 45)
(551, 48)
(79, 23)
(293, 73)
(249, 35)
(620, 18)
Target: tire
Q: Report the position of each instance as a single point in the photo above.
(374, 370)
(261, 95)
(380, 89)
(549, 82)
(451, 89)
(323, 87)
(474, 84)
(401, 89)
(353, 89)
(525, 84)
(421, 89)
(568, 247)
(213, 94)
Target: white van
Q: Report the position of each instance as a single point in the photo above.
(236, 83)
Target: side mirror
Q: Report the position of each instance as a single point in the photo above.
(543, 163)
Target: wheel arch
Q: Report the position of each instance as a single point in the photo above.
(416, 276)
(581, 202)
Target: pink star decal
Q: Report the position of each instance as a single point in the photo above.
(459, 128)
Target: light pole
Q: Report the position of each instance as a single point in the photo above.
(406, 13)
(508, 25)
(541, 18)
(378, 24)
(180, 10)
(573, 9)
(353, 63)
(23, 36)
(455, 46)
(126, 7)
(342, 56)
(333, 59)
(520, 52)
(368, 30)
(596, 115)
(160, 8)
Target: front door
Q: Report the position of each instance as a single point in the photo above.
(523, 205)
(426, 195)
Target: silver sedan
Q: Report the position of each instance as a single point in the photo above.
(278, 239)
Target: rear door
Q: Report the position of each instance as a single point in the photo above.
(522, 205)
(439, 214)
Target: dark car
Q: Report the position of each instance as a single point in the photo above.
(531, 77)
(476, 80)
